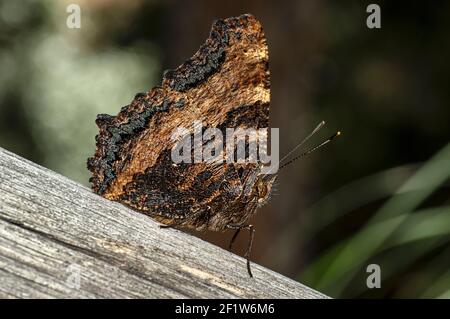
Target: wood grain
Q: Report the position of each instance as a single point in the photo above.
(51, 226)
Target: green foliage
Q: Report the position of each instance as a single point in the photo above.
(398, 223)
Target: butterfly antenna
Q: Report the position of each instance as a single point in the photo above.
(312, 149)
(318, 127)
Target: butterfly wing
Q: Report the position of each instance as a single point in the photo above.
(225, 84)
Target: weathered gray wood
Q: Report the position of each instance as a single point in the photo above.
(52, 228)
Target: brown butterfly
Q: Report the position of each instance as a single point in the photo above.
(225, 84)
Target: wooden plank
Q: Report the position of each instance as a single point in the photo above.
(59, 240)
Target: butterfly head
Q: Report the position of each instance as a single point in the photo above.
(262, 188)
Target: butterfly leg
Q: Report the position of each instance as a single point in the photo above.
(236, 233)
(173, 224)
(251, 230)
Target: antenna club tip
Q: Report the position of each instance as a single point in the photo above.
(337, 134)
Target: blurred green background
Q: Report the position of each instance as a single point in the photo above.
(378, 195)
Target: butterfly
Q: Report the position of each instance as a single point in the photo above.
(226, 83)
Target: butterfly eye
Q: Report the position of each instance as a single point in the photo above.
(262, 190)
